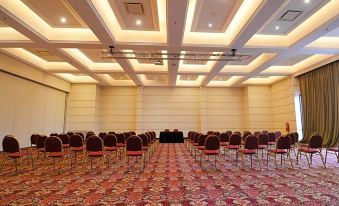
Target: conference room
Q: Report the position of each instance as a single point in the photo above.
(169, 102)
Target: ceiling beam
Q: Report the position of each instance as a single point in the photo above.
(176, 16)
(295, 48)
(94, 21)
(250, 29)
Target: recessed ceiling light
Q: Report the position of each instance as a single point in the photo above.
(276, 27)
(138, 22)
(307, 1)
(210, 25)
(63, 19)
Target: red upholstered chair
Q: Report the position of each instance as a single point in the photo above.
(216, 133)
(175, 130)
(102, 135)
(70, 134)
(229, 132)
(145, 146)
(264, 132)
(201, 144)
(40, 145)
(81, 135)
(150, 141)
(335, 150)
(134, 146)
(54, 134)
(212, 147)
(111, 132)
(256, 133)
(294, 142)
(54, 150)
(271, 139)
(11, 150)
(194, 141)
(263, 143)
(224, 140)
(65, 140)
(33, 139)
(277, 134)
(209, 132)
(281, 148)
(313, 147)
(237, 132)
(234, 144)
(132, 133)
(95, 149)
(120, 143)
(245, 134)
(76, 144)
(250, 148)
(166, 130)
(89, 134)
(110, 145)
(188, 138)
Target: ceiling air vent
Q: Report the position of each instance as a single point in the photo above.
(134, 8)
(290, 15)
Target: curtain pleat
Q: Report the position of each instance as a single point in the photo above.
(319, 91)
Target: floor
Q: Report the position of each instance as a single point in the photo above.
(174, 177)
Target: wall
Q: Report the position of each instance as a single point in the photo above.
(283, 106)
(27, 107)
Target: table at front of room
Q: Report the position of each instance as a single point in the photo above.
(171, 137)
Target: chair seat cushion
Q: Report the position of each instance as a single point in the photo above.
(195, 144)
(334, 149)
(278, 151)
(201, 147)
(58, 154)
(223, 143)
(262, 146)
(145, 147)
(248, 151)
(134, 153)
(210, 152)
(233, 146)
(18, 154)
(271, 143)
(120, 144)
(95, 153)
(110, 148)
(308, 150)
(65, 145)
(77, 148)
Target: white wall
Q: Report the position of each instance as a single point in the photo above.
(27, 107)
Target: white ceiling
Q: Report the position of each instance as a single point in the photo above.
(32, 31)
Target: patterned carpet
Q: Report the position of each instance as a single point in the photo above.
(173, 177)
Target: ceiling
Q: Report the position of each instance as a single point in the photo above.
(65, 38)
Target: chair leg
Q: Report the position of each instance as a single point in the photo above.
(62, 163)
(289, 157)
(3, 163)
(258, 159)
(298, 157)
(275, 160)
(322, 158)
(236, 157)
(267, 154)
(84, 161)
(311, 157)
(32, 162)
(308, 161)
(102, 163)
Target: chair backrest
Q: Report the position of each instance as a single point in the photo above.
(209, 132)
(126, 135)
(89, 134)
(251, 142)
(120, 137)
(224, 137)
(134, 143)
(264, 132)
(53, 144)
(235, 139)
(110, 140)
(283, 142)
(132, 132)
(256, 133)
(40, 141)
(271, 137)
(277, 134)
(144, 139)
(166, 130)
(76, 141)
(196, 137)
(94, 144)
(70, 133)
(81, 135)
(175, 130)
(10, 144)
(64, 138)
(246, 133)
(150, 137)
(316, 141)
(229, 132)
(102, 135)
(33, 138)
(212, 142)
(202, 139)
(216, 133)
(293, 138)
(263, 139)
(54, 134)
(111, 132)
(237, 132)
(296, 136)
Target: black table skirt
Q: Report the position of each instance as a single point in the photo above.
(171, 137)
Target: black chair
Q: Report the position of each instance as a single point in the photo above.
(55, 150)
(250, 148)
(134, 146)
(95, 149)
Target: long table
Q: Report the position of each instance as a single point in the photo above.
(171, 137)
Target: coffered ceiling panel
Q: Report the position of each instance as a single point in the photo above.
(186, 43)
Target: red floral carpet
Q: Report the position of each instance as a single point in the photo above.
(173, 177)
